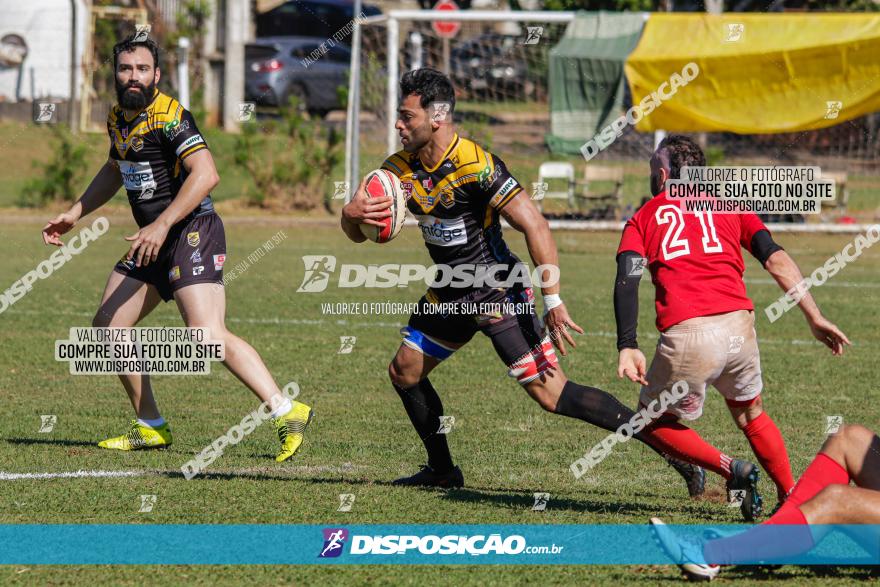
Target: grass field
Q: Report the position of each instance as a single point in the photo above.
(361, 439)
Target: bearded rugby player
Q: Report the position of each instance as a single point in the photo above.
(159, 155)
(458, 192)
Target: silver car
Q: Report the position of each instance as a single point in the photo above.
(280, 67)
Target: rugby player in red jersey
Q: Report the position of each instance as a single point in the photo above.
(158, 153)
(706, 322)
(821, 497)
(459, 192)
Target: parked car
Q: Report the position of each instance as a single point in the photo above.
(492, 65)
(311, 18)
(280, 67)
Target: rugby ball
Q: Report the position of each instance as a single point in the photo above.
(379, 183)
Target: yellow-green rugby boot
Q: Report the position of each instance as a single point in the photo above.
(290, 428)
(140, 437)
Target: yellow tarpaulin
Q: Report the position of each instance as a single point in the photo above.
(758, 73)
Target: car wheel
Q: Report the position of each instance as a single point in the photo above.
(302, 98)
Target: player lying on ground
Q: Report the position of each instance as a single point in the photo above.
(706, 322)
(821, 496)
(458, 192)
(157, 152)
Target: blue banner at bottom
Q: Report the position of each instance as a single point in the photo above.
(437, 544)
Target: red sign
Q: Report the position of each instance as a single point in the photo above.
(446, 29)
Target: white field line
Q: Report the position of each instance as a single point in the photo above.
(371, 324)
(4, 476)
(344, 468)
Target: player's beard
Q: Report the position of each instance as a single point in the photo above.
(134, 100)
(656, 186)
(417, 139)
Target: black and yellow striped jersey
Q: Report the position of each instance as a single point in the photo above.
(149, 149)
(457, 202)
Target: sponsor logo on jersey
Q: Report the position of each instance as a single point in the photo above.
(442, 232)
(121, 140)
(175, 127)
(219, 261)
(407, 187)
(198, 269)
(196, 257)
(193, 239)
(504, 191)
(483, 176)
(428, 184)
(174, 274)
(447, 197)
(489, 178)
(426, 201)
(137, 176)
(189, 143)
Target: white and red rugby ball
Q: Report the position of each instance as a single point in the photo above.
(379, 183)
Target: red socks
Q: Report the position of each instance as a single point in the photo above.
(787, 514)
(769, 448)
(683, 443)
(821, 473)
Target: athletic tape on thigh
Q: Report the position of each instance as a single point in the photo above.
(539, 360)
(419, 341)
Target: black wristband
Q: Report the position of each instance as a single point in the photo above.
(630, 266)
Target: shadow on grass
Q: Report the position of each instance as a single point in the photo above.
(53, 441)
(507, 498)
(520, 501)
(769, 573)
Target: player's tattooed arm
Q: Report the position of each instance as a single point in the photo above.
(631, 361)
(789, 277)
(522, 215)
(363, 210)
(201, 178)
(102, 188)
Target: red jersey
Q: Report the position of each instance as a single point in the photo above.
(695, 259)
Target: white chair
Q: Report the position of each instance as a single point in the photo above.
(555, 170)
(605, 205)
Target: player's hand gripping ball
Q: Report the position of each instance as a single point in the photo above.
(381, 183)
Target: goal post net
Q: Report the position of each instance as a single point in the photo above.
(498, 62)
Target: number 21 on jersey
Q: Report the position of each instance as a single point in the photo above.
(674, 245)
